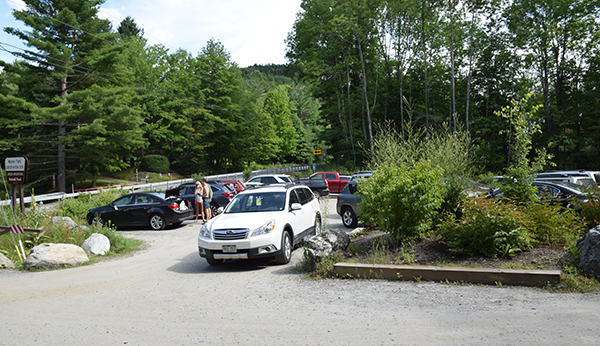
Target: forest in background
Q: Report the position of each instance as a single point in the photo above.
(87, 97)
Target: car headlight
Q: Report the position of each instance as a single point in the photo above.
(264, 229)
(205, 232)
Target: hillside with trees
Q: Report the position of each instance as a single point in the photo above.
(90, 98)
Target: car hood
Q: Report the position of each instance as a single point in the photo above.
(242, 220)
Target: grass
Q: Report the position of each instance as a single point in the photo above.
(40, 217)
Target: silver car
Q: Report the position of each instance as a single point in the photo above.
(347, 204)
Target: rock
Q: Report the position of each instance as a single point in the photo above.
(63, 220)
(589, 251)
(322, 245)
(96, 244)
(49, 256)
(5, 262)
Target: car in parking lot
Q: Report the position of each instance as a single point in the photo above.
(151, 209)
(266, 221)
(347, 204)
(222, 194)
(553, 192)
(267, 179)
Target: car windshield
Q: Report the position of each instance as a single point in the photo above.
(256, 202)
(577, 188)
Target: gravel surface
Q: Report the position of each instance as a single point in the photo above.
(167, 295)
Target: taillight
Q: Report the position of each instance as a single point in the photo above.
(228, 194)
(174, 206)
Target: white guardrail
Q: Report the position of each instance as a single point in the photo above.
(159, 186)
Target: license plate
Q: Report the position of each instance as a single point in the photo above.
(229, 249)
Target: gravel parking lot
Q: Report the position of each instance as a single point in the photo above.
(167, 295)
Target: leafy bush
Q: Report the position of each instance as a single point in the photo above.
(155, 163)
(76, 208)
(402, 200)
(590, 209)
(488, 227)
(553, 225)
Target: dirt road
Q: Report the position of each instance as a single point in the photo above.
(167, 295)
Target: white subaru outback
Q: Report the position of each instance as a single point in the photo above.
(267, 221)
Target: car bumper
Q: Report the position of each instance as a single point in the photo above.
(262, 246)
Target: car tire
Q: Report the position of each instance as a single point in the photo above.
(213, 210)
(286, 249)
(318, 225)
(210, 258)
(349, 217)
(97, 221)
(157, 222)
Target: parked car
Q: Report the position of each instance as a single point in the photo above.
(238, 186)
(151, 209)
(581, 177)
(222, 194)
(335, 181)
(266, 221)
(361, 175)
(347, 204)
(318, 186)
(267, 179)
(556, 192)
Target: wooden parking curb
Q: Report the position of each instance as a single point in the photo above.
(451, 274)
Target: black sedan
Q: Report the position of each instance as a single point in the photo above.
(142, 209)
(553, 192)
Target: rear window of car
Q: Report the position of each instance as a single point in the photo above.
(286, 179)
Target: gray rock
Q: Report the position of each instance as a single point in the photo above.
(5, 262)
(96, 244)
(49, 256)
(63, 220)
(322, 245)
(589, 251)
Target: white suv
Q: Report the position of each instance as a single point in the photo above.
(267, 221)
(267, 179)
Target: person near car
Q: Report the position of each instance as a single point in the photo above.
(206, 192)
(198, 202)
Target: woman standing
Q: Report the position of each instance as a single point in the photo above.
(198, 203)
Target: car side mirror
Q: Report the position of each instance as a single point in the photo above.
(220, 210)
(296, 206)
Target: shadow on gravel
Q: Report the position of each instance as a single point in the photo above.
(194, 264)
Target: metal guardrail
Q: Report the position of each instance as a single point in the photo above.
(159, 186)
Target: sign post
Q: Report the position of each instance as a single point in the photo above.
(16, 172)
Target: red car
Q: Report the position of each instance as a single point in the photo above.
(237, 185)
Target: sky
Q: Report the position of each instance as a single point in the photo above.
(253, 32)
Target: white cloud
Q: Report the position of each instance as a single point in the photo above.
(252, 31)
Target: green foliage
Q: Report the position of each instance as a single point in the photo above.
(487, 227)
(553, 225)
(522, 170)
(155, 163)
(76, 208)
(590, 209)
(402, 200)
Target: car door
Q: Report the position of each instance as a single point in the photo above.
(139, 209)
(118, 215)
(334, 183)
(301, 217)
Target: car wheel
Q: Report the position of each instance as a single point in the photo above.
(286, 249)
(213, 210)
(157, 222)
(210, 258)
(318, 225)
(349, 218)
(97, 221)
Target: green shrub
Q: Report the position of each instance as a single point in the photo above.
(590, 209)
(76, 208)
(553, 225)
(487, 227)
(155, 163)
(402, 200)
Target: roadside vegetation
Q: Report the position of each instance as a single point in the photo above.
(40, 217)
(418, 201)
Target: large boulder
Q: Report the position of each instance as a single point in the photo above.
(5, 262)
(63, 220)
(96, 244)
(49, 256)
(322, 245)
(589, 251)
